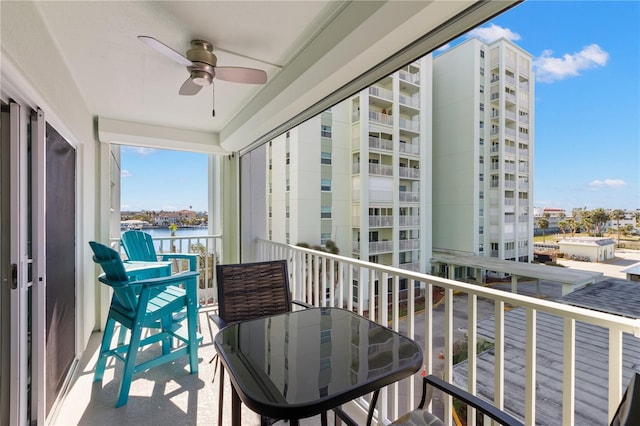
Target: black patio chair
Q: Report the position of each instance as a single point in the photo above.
(422, 417)
(247, 291)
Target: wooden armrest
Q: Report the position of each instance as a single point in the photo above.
(191, 257)
(480, 404)
(182, 277)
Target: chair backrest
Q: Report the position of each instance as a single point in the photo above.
(115, 274)
(138, 245)
(252, 290)
(628, 412)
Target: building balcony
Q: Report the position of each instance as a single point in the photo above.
(520, 369)
(410, 77)
(381, 92)
(381, 118)
(409, 148)
(411, 244)
(409, 197)
(381, 144)
(380, 221)
(409, 220)
(409, 172)
(410, 125)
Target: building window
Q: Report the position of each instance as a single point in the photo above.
(481, 106)
(481, 126)
(482, 88)
(481, 230)
(481, 70)
(325, 158)
(481, 53)
(287, 160)
(481, 141)
(325, 185)
(325, 131)
(324, 237)
(287, 185)
(481, 177)
(325, 212)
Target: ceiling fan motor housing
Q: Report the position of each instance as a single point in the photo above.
(204, 61)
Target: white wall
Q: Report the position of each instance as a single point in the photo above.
(455, 149)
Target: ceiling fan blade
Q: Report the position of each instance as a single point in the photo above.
(189, 88)
(241, 75)
(165, 50)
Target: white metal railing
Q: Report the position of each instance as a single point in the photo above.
(410, 244)
(381, 169)
(410, 77)
(381, 118)
(409, 172)
(379, 221)
(409, 220)
(407, 124)
(381, 92)
(412, 101)
(409, 148)
(209, 249)
(378, 143)
(409, 197)
(314, 273)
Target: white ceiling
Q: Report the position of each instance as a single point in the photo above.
(309, 49)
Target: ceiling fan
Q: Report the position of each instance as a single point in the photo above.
(202, 66)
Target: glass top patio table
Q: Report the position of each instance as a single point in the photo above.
(306, 362)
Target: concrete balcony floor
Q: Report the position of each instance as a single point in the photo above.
(165, 395)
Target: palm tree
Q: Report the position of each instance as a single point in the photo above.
(543, 223)
(573, 226)
(563, 225)
(616, 215)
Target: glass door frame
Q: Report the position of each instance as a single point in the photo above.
(26, 329)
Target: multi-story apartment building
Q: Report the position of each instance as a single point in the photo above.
(359, 174)
(483, 105)
(437, 154)
(391, 169)
(308, 196)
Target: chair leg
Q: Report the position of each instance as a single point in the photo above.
(220, 395)
(104, 349)
(192, 324)
(129, 366)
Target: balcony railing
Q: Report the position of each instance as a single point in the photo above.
(316, 273)
(383, 144)
(409, 148)
(410, 77)
(207, 246)
(381, 92)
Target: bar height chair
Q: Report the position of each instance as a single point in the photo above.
(138, 305)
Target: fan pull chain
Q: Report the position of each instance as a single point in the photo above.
(213, 100)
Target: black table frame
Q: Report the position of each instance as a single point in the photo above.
(299, 411)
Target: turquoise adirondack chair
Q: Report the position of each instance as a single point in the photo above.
(146, 304)
(138, 246)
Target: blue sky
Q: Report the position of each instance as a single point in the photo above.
(587, 112)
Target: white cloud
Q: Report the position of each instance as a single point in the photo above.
(140, 150)
(492, 33)
(443, 47)
(549, 68)
(125, 173)
(597, 185)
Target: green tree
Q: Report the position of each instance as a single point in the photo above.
(616, 215)
(543, 223)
